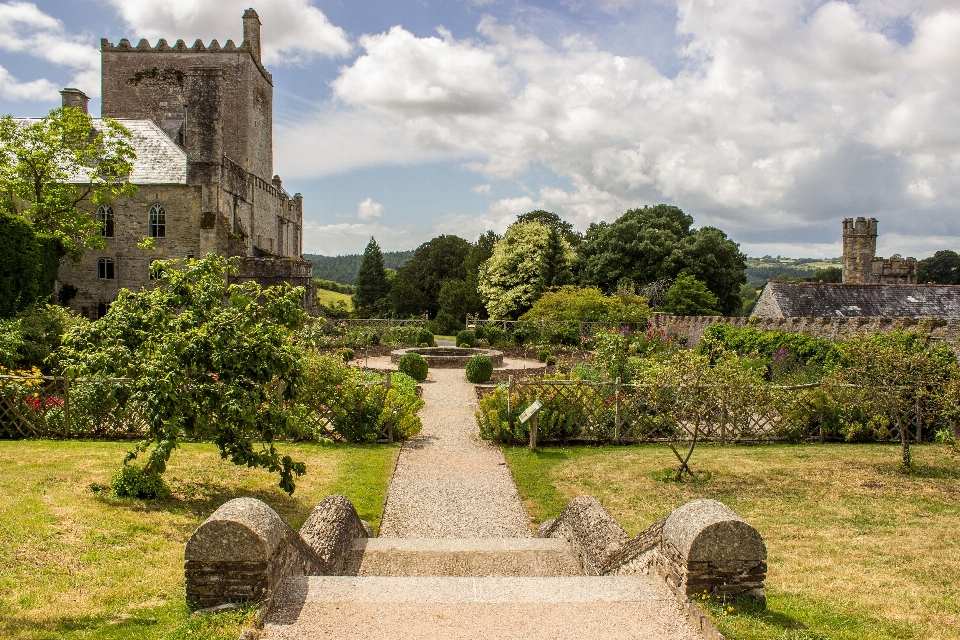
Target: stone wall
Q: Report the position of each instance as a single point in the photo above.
(691, 328)
(703, 546)
(244, 550)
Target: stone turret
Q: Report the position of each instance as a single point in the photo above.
(251, 33)
(859, 249)
(74, 98)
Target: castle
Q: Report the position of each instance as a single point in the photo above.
(860, 263)
(201, 119)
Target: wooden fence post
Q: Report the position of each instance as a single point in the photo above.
(723, 422)
(389, 425)
(533, 432)
(616, 417)
(66, 407)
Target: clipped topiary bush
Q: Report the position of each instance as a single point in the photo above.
(425, 338)
(479, 369)
(467, 338)
(543, 355)
(414, 365)
(133, 482)
(346, 354)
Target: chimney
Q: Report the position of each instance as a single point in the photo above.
(74, 98)
(251, 33)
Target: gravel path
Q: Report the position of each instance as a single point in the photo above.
(448, 483)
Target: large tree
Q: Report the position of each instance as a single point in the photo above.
(530, 259)
(552, 220)
(943, 267)
(416, 288)
(653, 243)
(55, 169)
(372, 284)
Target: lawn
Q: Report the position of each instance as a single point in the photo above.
(327, 298)
(76, 563)
(856, 549)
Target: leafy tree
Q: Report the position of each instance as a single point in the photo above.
(943, 267)
(372, 285)
(587, 304)
(416, 288)
(828, 274)
(553, 221)
(51, 168)
(689, 297)
(653, 243)
(748, 298)
(529, 259)
(207, 360)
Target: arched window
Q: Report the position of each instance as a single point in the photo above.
(155, 273)
(102, 309)
(105, 218)
(105, 270)
(158, 222)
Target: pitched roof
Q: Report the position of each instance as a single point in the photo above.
(159, 159)
(809, 299)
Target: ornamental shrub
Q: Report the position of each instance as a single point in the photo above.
(346, 354)
(414, 365)
(542, 355)
(479, 369)
(467, 339)
(133, 482)
(425, 339)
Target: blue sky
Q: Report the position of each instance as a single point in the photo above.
(403, 120)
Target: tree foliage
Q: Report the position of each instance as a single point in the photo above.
(416, 288)
(54, 167)
(529, 259)
(943, 267)
(553, 221)
(652, 243)
(372, 285)
(207, 360)
(689, 297)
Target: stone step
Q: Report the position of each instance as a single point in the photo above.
(462, 557)
(477, 607)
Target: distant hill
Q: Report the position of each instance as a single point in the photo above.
(344, 268)
(759, 270)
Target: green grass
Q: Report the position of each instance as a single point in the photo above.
(327, 298)
(856, 549)
(75, 563)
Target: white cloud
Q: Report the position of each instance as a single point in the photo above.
(25, 29)
(482, 189)
(784, 116)
(369, 210)
(293, 30)
(344, 238)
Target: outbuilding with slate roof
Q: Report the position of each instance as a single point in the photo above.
(820, 300)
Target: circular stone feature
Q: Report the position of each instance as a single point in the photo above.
(448, 357)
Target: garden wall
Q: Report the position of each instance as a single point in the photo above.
(692, 327)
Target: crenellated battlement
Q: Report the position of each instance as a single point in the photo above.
(163, 46)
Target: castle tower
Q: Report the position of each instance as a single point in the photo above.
(859, 249)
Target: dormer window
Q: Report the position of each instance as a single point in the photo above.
(157, 222)
(105, 218)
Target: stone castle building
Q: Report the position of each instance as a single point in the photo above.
(860, 262)
(201, 119)
(872, 287)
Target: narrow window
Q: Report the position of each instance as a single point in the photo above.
(158, 222)
(155, 272)
(102, 309)
(105, 270)
(105, 218)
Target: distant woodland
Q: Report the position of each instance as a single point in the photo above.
(344, 268)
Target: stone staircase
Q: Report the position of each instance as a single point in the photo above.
(472, 588)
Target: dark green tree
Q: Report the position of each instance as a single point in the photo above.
(372, 285)
(19, 265)
(552, 220)
(653, 243)
(416, 288)
(689, 297)
(943, 267)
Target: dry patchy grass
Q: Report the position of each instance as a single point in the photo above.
(75, 563)
(856, 548)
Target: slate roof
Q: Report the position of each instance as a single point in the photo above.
(809, 299)
(159, 159)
